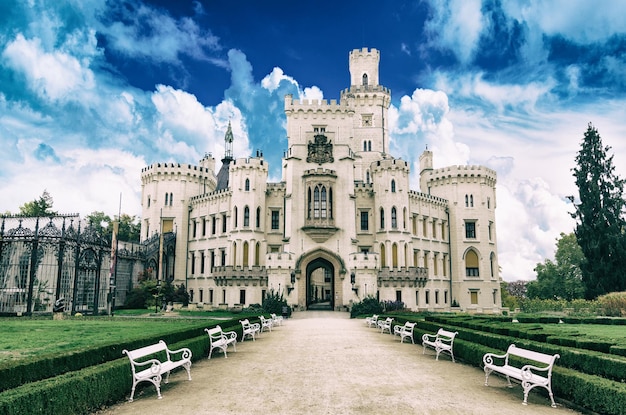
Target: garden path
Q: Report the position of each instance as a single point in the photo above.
(326, 363)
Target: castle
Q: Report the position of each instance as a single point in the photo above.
(342, 224)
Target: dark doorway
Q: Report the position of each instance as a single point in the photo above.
(320, 288)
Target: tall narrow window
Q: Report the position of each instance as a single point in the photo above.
(235, 217)
(365, 79)
(471, 264)
(383, 260)
(167, 198)
(364, 220)
(258, 217)
(393, 186)
(394, 255)
(470, 230)
(364, 145)
(466, 201)
(234, 254)
(394, 219)
(246, 216)
(309, 205)
(330, 202)
(247, 185)
(275, 219)
(224, 223)
(382, 218)
(471, 200)
(323, 202)
(367, 177)
(245, 253)
(257, 254)
(171, 198)
(202, 259)
(369, 145)
(193, 263)
(213, 224)
(316, 202)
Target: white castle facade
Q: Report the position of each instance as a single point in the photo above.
(343, 222)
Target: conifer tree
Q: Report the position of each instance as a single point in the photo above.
(599, 217)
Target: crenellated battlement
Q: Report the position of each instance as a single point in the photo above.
(249, 163)
(390, 164)
(314, 105)
(365, 53)
(176, 170)
(424, 197)
(464, 172)
(320, 171)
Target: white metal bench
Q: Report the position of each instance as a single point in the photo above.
(385, 325)
(276, 320)
(530, 375)
(266, 324)
(147, 367)
(221, 339)
(443, 341)
(249, 329)
(372, 321)
(404, 331)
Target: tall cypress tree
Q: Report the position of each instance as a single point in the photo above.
(599, 217)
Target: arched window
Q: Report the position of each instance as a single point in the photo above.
(394, 255)
(393, 186)
(316, 202)
(330, 202)
(247, 185)
(492, 264)
(309, 204)
(364, 145)
(235, 216)
(466, 201)
(383, 260)
(471, 200)
(257, 254)
(324, 202)
(471, 264)
(367, 177)
(167, 198)
(364, 79)
(258, 217)
(369, 145)
(406, 254)
(404, 218)
(394, 219)
(245, 254)
(234, 254)
(171, 198)
(382, 218)
(246, 216)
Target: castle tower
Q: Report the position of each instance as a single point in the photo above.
(222, 176)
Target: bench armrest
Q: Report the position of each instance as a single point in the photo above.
(527, 370)
(489, 358)
(155, 365)
(429, 337)
(230, 334)
(185, 353)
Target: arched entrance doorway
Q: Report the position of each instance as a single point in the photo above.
(320, 285)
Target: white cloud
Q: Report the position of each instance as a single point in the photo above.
(456, 25)
(57, 75)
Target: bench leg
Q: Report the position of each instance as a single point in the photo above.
(487, 373)
(187, 367)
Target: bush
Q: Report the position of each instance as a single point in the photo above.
(274, 303)
(613, 304)
(393, 306)
(369, 305)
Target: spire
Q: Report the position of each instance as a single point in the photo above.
(228, 144)
(222, 175)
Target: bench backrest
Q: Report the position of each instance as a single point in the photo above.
(546, 359)
(215, 333)
(446, 335)
(146, 351)
(245, 323)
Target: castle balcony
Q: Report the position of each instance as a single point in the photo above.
(403, 277)
(320, 229)
(240, 276)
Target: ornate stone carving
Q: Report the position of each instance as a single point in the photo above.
(320, 151)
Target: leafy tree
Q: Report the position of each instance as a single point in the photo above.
(561, 279)
(129, 227)
(39, 207)
(600, 217)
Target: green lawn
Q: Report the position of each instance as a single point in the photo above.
(22, 338)
(596, 331)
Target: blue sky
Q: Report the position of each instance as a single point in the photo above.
(91, 91)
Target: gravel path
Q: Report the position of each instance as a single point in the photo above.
(326, 363)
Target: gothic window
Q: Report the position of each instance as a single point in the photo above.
(383, 261)
(330, 202)
(471, 200)
(235, 216)
(171, 198)
(309, 205)
(316, 202)
(247, 185)
(466, 201)
(471, 264)
(213, 224)
(367, 177)
(364, 79)
(394, 255)
(246, 216)
(394, 219)
(323, 202)
(364, 149)
(258, 217)
(148, 200)
(245, 254)
(234, 254)
(167, 197)
(224, 223)
(257, 253)
(382, 218)
(393, 186)
(369, 145)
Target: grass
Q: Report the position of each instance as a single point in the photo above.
(596, 331)
(22, 338)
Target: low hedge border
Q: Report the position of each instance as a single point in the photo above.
(570, 387)
(13, 375)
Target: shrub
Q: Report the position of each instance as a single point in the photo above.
(369, 305)
(613, 304)
(274, 303)
(393, 306)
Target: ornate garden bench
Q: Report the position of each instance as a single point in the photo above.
(146, 366)
(404, 331)
(372, 321)
(249, 329)
(276, 320)
(221, 339)
(530, 375)
(443, 341)
(266, 323)
(385, 325)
